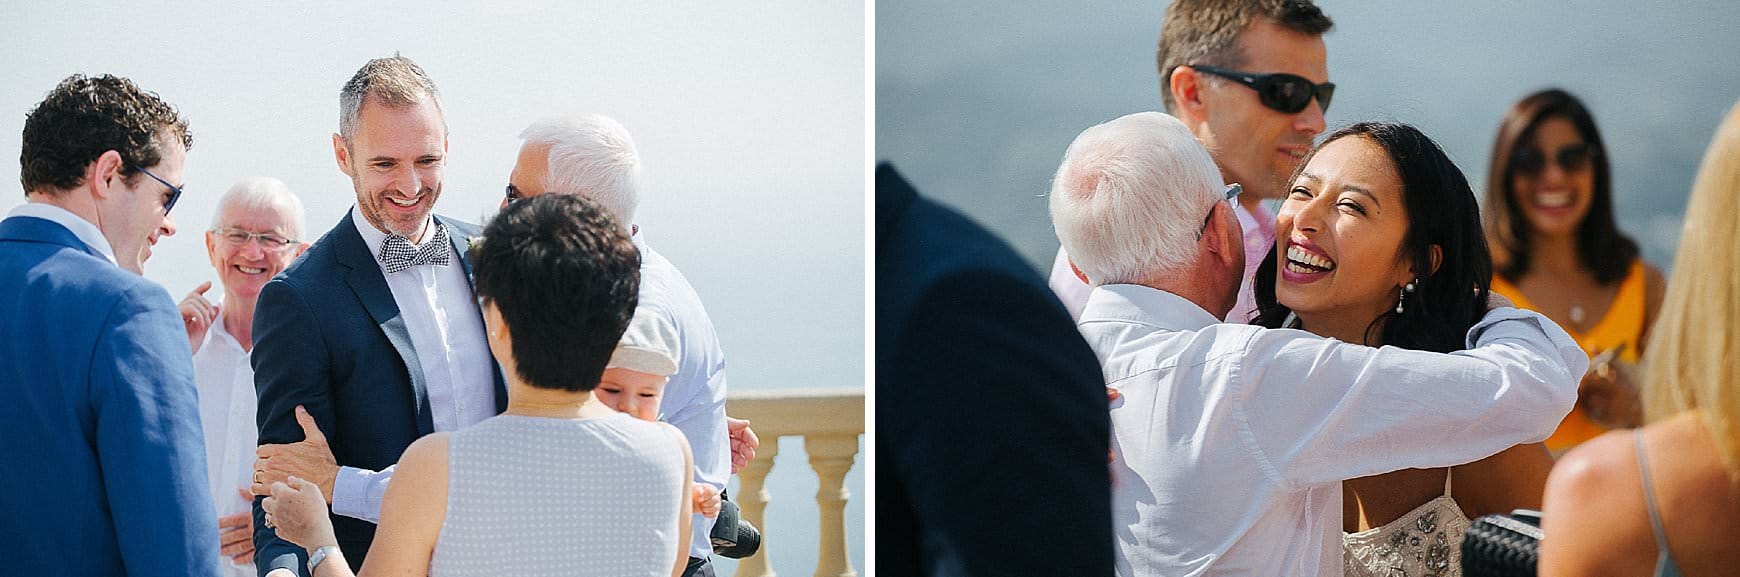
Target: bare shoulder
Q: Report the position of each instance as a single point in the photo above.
(424, 463)
(1698, 501)
(1593, 512)
(1599, 473)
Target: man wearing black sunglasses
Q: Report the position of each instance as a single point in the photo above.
(1250, 80)
(99, 421)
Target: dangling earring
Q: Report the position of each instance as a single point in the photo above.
(1402, 296)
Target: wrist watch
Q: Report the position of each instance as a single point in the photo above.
(319, 555)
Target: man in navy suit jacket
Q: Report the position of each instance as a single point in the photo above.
(991, 418)
(102, 463)
(375, 331)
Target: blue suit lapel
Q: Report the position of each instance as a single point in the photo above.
(370, 285)
(460, 235)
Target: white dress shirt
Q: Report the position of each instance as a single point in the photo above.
(695, 396)
(1231, 441)
(446, 328)
(1259, 231)
(83, 229)
(225, 381)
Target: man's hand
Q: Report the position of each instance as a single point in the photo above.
(298, 511)
(743, 443)
(707, 501)
(310, 459)
(197, 314)
(236, 533)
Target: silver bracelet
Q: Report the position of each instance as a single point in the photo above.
(320, 555)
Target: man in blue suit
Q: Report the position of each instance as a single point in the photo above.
(103, 460)
(991, 421)
(373, 338)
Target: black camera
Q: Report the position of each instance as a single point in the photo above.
(733, 536)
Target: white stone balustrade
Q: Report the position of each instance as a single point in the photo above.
(830, 421)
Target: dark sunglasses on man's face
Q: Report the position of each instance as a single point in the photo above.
(174, 191)
(1283, 92)
(1530, 161)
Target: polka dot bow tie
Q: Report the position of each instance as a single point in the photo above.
(397, 254)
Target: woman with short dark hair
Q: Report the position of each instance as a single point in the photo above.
(559, 483)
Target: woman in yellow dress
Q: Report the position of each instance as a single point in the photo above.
(1556, 249)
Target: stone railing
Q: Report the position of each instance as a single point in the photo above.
(830, 421)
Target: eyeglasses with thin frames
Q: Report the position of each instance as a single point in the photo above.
(174, 191)
(271, 242)
(1232, 192)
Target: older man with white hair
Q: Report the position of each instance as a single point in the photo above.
(594, 156)
(1231, 441)
(254, 235)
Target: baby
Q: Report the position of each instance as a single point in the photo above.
(634, 381)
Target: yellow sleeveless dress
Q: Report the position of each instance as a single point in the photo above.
(1622, 324)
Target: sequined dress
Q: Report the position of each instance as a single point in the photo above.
(1425, 542)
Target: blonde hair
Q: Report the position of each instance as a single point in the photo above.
(1691, 356)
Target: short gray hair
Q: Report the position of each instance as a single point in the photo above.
(1129, 197)
(396, 82)
(591, 155)
(259, 192)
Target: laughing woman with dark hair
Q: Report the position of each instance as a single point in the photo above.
(1379, 243)
(1549, 219)
(559, 483)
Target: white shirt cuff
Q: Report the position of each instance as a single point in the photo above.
(356, 493)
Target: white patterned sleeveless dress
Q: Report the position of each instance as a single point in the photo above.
(531, 496)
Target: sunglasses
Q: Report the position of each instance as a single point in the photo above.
(1287, 93)
(1530, 161)
(174, 191)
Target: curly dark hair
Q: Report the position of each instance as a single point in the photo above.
(82, 118)
(1441, 212)
(566, 279)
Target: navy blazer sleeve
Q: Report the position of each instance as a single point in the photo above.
(291, 367)
(1000, 431)
(149, 441)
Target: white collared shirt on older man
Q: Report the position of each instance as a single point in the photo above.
(447, 332)
(695, 396)
(1231, 440)
(225, 380)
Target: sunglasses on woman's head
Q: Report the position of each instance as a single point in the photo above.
(1531, 161)
(1289, 93)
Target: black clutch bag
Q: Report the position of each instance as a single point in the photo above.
(1502, 545)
